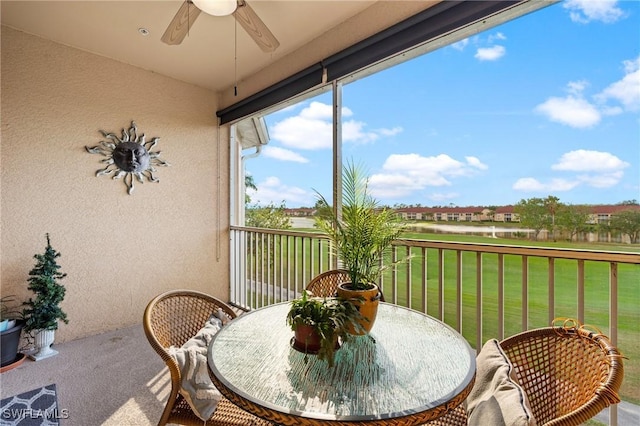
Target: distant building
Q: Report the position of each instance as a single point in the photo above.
(603, 213)
(448, 214)
(300, 212)
(599, 213)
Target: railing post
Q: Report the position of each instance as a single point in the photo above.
(423, 283)
(459, 290)
(525, 293)
(500, 296)
(552, 288)
(613, 325)
(441, 284)
(580, 291)
(479, 299)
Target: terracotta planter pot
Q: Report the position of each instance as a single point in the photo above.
(367, 302)
(306, 339)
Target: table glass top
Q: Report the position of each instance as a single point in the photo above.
(408, 363)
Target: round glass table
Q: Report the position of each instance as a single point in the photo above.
(411, 368)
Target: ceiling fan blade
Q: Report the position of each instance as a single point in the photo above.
(253, 25)
(180, 24)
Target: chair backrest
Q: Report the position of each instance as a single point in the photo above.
(174, 317)
(569, 374)
(326, 283)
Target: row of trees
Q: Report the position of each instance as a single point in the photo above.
(270, 217)
(570, 220)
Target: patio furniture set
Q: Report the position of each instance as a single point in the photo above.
(418, 370)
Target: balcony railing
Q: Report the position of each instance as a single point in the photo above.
(482, 290)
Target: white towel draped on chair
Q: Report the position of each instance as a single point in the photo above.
(196, 385)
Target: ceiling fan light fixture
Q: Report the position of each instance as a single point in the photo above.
(217, 7)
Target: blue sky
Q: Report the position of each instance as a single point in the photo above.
(547, 104)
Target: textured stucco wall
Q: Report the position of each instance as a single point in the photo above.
(118, 250)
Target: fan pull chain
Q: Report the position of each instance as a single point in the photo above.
(235, 57)
(189, 18)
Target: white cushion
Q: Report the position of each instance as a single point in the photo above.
(496, 398)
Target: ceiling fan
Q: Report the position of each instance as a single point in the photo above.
(240, 9)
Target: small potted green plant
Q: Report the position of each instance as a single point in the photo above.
(43, 313)
(360, 236)
(321, 324)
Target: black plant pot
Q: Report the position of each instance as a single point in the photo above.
(10, 340)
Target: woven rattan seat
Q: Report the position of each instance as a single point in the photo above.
(326, 283)
(171, 319)
(568, 374)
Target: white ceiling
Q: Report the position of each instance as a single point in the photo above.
(205, 57)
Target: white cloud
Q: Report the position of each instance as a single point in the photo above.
(353, 131)
(404, 174)
(283, 154)
(583, 160)
(534, 185)
(490, 53)
(393, 185)
(576, 88)
(585, 11)
(627, 90)
(597, 169)
(576, 111)
(319, 111)
(497, 36)
(602, 180)
(475, 162)
(272, 189)
(572, 111)
(390, 132)
(312, 129)
(611, 110)
(460, 45)
(303, 133)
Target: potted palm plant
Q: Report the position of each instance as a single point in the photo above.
(360, 236)
(320, 324)
(43, 313)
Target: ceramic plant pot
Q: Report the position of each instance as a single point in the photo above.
(367, 302)
(43, 341)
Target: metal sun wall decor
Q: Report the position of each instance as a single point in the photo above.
(128, 156)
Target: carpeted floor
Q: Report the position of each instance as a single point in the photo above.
(33, 408)
(110, 379)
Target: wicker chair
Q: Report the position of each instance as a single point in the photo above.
(326, 283)
(172, 318)
(569, 374)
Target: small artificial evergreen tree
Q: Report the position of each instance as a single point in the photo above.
(44, 312)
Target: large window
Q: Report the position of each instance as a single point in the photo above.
(545, 104)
